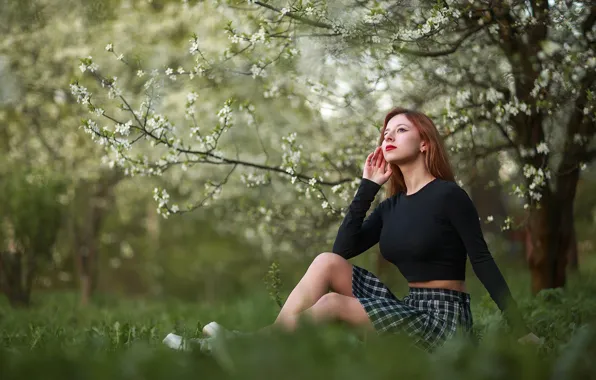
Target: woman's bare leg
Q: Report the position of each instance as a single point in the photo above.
(311, 295)
(327, 271)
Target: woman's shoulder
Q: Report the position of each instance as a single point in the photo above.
(453, 196)
(450, 189)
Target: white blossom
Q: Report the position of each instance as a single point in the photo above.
(255, 70)
(191, 97)
(506, 224)
(252, 179)
(579, 139)
(80, 93)
(373, 19)
(91, 66)
(194, 46)
(124, 129)
(259, 36)
(542, 148)
(162, 197)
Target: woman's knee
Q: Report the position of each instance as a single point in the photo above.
(329, 305)
(328, 259)
(336, 270)
(339, 307)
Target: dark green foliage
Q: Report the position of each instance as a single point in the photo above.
(29, 201)
(30, 219)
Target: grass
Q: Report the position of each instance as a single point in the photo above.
(120, 338)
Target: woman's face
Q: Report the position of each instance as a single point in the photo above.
(404, 136)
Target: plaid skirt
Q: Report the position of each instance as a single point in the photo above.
(429, 316)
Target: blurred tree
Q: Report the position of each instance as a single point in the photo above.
(39, 126)
(30, 214)
(86, 224)
(39, 122)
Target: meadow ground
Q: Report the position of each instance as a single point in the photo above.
(118, 338)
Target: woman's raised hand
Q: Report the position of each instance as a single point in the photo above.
(376, 168)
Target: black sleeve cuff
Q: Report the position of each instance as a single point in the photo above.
(368, 188)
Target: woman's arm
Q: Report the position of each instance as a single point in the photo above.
(464, 217)
(356, 235)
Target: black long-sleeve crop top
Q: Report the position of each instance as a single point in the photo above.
(426, 235)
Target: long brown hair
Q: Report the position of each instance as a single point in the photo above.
(437, 161)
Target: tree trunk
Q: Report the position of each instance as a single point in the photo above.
(563, 226)
(553, 234)
(153, 230)
(88, 248)
(86, 234)
(538, 262)
(86, 258)
(572, 259)
(12, 273)
(17, 271)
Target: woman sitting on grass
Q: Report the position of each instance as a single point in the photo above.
(425, 226)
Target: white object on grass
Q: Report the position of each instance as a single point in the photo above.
(174, 341)
(179, 343)
(213, 329)
(213, 345)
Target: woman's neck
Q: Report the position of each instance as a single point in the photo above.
(415, 176)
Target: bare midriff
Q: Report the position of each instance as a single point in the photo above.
(456, 285)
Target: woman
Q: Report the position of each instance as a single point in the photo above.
(425, 226)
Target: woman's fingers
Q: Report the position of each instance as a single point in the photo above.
(376, 159)
(369, 159)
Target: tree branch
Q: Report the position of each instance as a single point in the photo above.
(292, 15)
(438, 53)
(488, 150)
(208, 196)
(221, 161)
